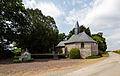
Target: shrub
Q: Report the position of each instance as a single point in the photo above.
(16, 57)
(105, 54)
(93, 57)
(16, 61)
(29, 60)
(74, 53)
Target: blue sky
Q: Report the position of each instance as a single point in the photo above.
(99, 15)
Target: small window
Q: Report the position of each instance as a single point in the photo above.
(82, 45)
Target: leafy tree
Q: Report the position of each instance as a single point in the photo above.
(13, 22)
(82, 28)
(88, 32)
(43, 33)
(101, 41)
(70, 34)
(61, 37)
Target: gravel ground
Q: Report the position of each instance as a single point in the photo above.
(43, 67)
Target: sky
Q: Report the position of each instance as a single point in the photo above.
(98, 15)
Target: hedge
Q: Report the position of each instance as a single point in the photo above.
(74, 53)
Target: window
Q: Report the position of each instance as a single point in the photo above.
(82, 45)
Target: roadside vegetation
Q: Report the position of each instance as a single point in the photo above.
(104, 54)
(93, 57)
(116, 51)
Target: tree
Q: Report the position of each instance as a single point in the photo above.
(82, 28)
(61, 37)
(13, 22)
(101, 41)
(43, 33)
(70, 34)
(88, 32)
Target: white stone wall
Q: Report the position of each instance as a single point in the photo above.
(94, 48)
(88, 50)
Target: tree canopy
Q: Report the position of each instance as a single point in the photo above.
(43, 33)
(61, 37)
(27, 28)
(13, 22)
(101, 41)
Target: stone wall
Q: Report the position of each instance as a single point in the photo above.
(94, 48)
(88, 50)
(84, 52)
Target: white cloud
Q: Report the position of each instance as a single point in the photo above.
(102, 15)
(48, 8)
(29, 3)
(115, 35)
(75, 15)
(104, 12)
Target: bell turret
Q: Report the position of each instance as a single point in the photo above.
(77, 29)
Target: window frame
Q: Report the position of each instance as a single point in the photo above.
(82, 45)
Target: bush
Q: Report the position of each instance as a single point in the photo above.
(105, 54)
(16, 61)
(16, 57)
(74, 53)
(29, 60)
(93, 57)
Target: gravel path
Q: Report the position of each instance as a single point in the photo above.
(45, 67)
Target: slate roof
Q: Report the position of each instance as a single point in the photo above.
(61, 44)
(81, 37)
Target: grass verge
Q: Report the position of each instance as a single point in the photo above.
(93, 57)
